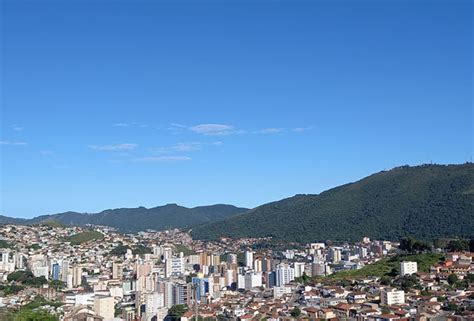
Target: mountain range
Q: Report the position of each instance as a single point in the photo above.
(426, 202)
(140, 218)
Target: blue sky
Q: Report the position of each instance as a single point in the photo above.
(110, 104)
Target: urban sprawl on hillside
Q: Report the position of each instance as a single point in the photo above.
(53, 272)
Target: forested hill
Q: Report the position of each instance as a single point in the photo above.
(140, 218)
(425, 202)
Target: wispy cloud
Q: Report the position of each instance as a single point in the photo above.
(186, 147)
(161, 159)
(12, 143)
(224, 129)
(132, 124)
(301, 129)
(215, 129)
(272, 130)
(17, 128)
(46, 152)
(113, 148)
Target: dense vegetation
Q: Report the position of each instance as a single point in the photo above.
(27, 315)
(182, 248)
(391, 266)
(30, 311)
(85, 236)
(139, 249)
(426, 202)
(138, 219)
(5, 245)
(26, 278)
(177, 311)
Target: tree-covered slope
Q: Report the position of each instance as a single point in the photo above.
(425, 202)
(141, 218)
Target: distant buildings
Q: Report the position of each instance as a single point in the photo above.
(101, 282)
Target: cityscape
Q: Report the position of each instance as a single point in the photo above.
(234, 160)
(96, 273)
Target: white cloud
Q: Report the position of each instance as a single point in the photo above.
(271, 130)
(113, 148)
(46, 152)
(133, 124)
(161, 159)
(17, 128)
(301, 129)
(213, 129)
(186, 147)
(12, 143)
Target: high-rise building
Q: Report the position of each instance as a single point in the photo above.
(174, 266)
(55, 271)
(252, 280)
(153, 302)
(105, 307)
(335, 255)
(284, 274)
(299, 269)
(204, 287)
(76, 276)
(64, 270)
(182, 293)
(249, 259)
(117, 271)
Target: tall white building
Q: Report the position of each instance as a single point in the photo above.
(117, 271)
(105, 307)
(252, 280)
(299, 268)
(284, 274)
(392, 296)
(7, 261)
(174, 266)
(408, 267)
(153, 302)
(335, 255)
(249, 259)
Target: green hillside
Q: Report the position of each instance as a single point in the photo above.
(425, 202)
(386, 266)
(85, 236)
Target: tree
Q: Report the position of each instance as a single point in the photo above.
(452, 279)
(408, 281)
(452, 306)
(296, 312)
(412, 245)
(385, 280)
(119, 250)
(458, 245)
(177, 311)
(470, 278)
(29, 315)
